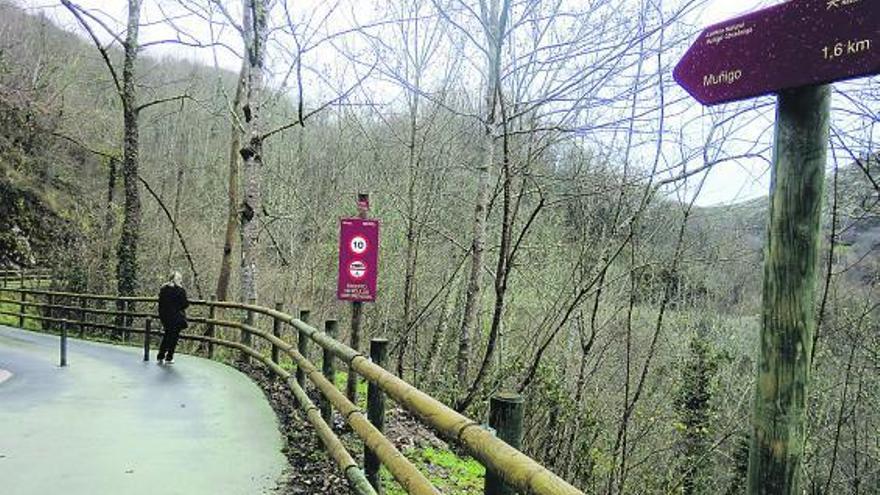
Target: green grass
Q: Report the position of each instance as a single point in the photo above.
(342, 380)
(448, 472)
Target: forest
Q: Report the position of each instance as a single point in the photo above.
(541, 185)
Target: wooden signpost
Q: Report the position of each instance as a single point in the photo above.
(358, 271)
(787, 49)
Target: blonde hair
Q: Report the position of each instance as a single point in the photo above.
(175, 278)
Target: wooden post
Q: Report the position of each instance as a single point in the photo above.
(23, 299)
(788, 316)
(52, 314)
(245, 337)
(210, 330)
(49, 312)
(329, 371)
(276, 331)
(83, 315)
(302, 345)
(62, 313)
(132, 307)
(375, 413)
(126, 335)
(357, 309)
(119, 319)
(148, 334)
(506, 417)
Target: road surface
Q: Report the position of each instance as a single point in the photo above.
(111, 423)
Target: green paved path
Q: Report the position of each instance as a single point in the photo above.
(111, 424)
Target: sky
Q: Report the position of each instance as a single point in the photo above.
(727, 183)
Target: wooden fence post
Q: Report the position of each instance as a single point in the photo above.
(506, 417)
(245, 337)
(210, 332)
(23, 297)
(148, 334)
(49, 312)
(83, 315)
(52, 313)
(302, 345)
(329, 371)
(129, 320)
(276, 331)
(375, 413)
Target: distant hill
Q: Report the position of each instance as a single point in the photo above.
(858, 219)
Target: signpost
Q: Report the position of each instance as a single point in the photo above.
(358, 257)
(357, 274)
(792, 49)
(794, 44)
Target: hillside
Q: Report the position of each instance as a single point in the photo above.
(857, 223)
(41, 223)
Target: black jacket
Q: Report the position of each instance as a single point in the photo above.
(172, 303)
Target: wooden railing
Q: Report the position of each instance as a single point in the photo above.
(88, 313)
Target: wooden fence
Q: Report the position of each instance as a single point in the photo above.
(232, 326)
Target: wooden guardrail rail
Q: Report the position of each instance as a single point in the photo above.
(512, 467)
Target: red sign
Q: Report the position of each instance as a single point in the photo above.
(793, 44)
(358, 259)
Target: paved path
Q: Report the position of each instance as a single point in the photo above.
(111, 424)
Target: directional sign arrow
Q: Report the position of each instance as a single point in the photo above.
(793, 44)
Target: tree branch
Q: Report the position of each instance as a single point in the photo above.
(301, 121)
(189, 257)
(78, 12)
(163, 100)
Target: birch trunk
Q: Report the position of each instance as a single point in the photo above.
(232, 222)
(494, 22)
(252, 150)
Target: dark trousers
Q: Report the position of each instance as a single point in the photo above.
(169, 342)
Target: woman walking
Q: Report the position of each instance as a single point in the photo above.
(172, 306)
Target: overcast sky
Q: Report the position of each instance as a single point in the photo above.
(728, 183)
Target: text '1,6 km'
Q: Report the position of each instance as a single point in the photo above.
(793, 44)
(842, 49)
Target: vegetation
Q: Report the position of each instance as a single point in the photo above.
(540, 183)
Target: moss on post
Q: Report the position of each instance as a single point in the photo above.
(329, 371)
(788, 317)
(376, 413)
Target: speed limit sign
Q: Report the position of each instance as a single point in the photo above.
(358, 244)
(358, 259)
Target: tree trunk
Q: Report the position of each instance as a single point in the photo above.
(107, 229)
(502, 275)
(494, 27)
(127, 265)
(232, 223)
(252, 150)
(409, 278)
